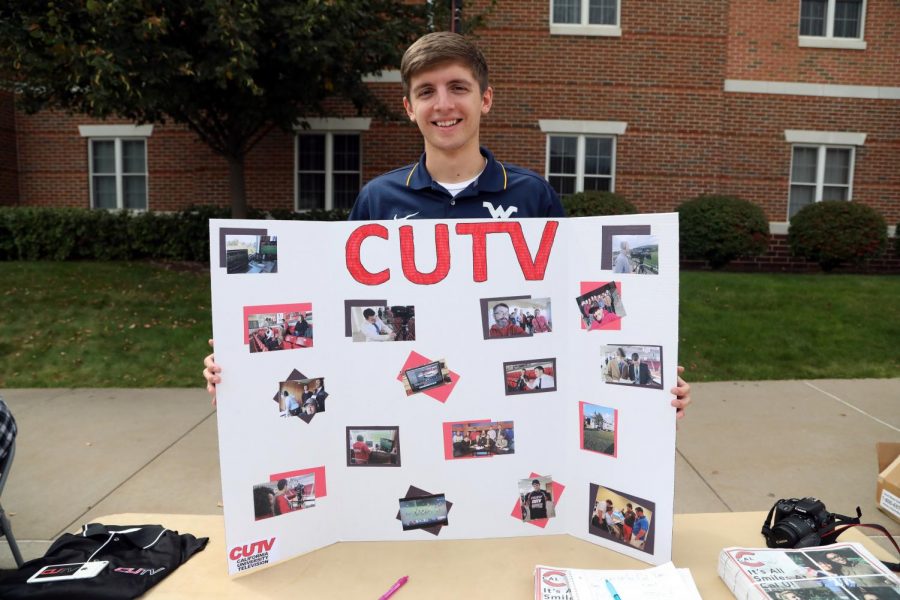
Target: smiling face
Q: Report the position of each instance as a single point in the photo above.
(446, 103)
(501, 316)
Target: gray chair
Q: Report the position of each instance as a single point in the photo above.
(5, 526)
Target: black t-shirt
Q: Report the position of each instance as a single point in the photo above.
(537, 504)
(139, 557)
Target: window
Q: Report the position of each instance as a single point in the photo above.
(821, 166)
(585, 17)
(820, 173)
(832, 23)
(329, 174)
(117, 160)
(581, 155)
(580, 163)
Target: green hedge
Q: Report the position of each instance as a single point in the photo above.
(36, 233)
(593, 204)
(720, 229)
(835, 231)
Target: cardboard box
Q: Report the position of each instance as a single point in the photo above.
(887, 494)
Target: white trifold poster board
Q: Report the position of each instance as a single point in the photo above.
(431, 380)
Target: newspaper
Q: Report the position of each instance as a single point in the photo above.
(664, 581)
(845, 571)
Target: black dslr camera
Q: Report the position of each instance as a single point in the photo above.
(801, 523)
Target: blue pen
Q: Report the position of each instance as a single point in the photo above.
(612, 591)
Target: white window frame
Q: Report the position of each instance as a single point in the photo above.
(823, 141)
(327, 127)
(582, 130)
(585, 28)
(828, 40)
(117, 134)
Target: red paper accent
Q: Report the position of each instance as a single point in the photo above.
(557, 494)
(408, 255)
(448, 438)
(440, 393)
(318, 471)
(587, 286)
(354, 265)
(272, 308)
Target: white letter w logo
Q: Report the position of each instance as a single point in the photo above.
(499, 212)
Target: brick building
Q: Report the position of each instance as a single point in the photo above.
(782, 102)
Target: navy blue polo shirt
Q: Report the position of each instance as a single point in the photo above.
(502, 191)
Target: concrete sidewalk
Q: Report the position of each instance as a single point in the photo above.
(83, 453)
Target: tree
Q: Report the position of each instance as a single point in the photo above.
(230, 70)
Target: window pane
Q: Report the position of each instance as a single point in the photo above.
(104, 153)
(563, 154)
(837, 165)
(602, 12)
(597, 184)
(847, 18)
(346, 152)
(804, 168)
(134, 188)
(104, 191)
(567, 11)
(563, 185)
(310, 152)
(133, 160)
(346, 188)
(812, 17)
(834, 193)
(598, 156)
(801, 195)
(312, 191)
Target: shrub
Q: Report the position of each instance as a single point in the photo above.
(720, 229)
(834, 232)
(896, 239)
(40, 233)
(593, 204)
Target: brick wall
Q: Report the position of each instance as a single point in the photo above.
(664, 76)
(9, 161)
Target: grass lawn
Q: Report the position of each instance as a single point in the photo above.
(737, 326)
(600, 441)
(99, 324)
(102, 324)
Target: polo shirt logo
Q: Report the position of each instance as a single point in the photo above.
(499, 212)
(399, 218)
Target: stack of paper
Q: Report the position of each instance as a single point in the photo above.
(665, 581)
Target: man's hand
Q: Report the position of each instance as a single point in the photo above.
(211, 374)
(682, 393)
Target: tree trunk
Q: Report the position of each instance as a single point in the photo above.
(237, 188)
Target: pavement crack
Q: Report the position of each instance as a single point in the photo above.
(703, 479)
(77, 520)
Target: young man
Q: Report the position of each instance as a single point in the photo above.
(446, 93)
(536, 501)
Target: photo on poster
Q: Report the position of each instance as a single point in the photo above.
(425, 377)
(251, 253)
(608, 232)
(422, 512)
(472, 439)
(268, 331)
(601, 307)
(633, 365)
(380, 322)
(599, 428)
(637, 254)
(373, 446)
(815, 590)
(286, 495)
(621, 518)
(529, 376)
(515, 316)
(536, 498)
(301, 397)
